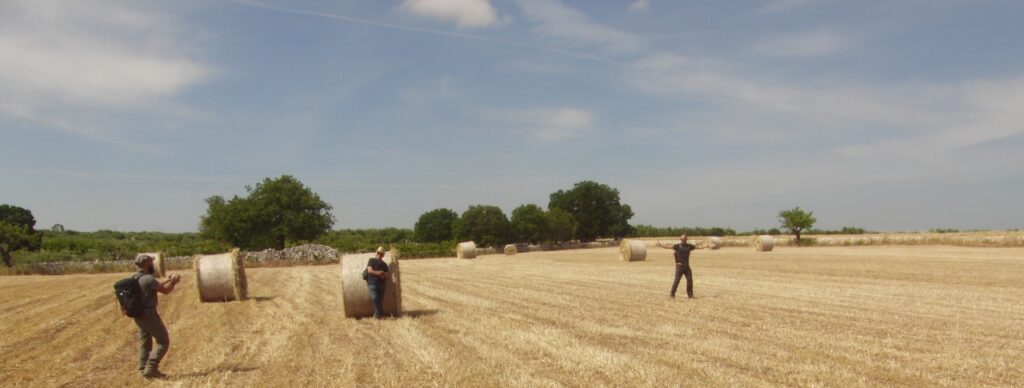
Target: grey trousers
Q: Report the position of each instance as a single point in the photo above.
(151, 328)
(682, 270)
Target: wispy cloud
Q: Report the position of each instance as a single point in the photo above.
(923, 119)
(640, 5)
(565, 24)
(785, 5)
(806, 44)
(450, 34)
(545, 125)
(464, 13)
(62, 63)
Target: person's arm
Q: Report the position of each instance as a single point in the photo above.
(168, 285)
(371, 271)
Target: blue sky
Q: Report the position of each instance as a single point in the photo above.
(889, 115)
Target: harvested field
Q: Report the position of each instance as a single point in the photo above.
(839, 316)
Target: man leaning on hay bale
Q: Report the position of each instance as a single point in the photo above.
(151, 327)
(376, 275)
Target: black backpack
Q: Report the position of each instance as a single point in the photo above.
(129, 296)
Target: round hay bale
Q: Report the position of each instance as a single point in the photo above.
(355, 294)
(159, 266)
(221, 278)
(764, 243)
(466, 250)
(633, 250)
(511, 250)
(714, 243)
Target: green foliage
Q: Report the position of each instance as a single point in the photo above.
(561, 226)
(596, 208)
(796, 220)
(105, 245)
(484, 224)
(367, 240)
(653, 231)
(770, 232)
(436, 226)
(17, 232)
(530, 224)
(944, 230)
(277, 212)
(844, 230)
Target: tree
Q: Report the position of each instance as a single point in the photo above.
(275, 212)
(796, 220)
(561, 225)
(17, 232)
(486, 225)
(596, 208)
(436, 225)
(529, 224)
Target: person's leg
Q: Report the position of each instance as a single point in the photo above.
(151, 323)
(675, 284)
(689, 282)
(145, 345)
(377, 295)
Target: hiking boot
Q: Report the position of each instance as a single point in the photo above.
(151, 372)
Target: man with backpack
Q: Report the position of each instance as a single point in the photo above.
(151, 327)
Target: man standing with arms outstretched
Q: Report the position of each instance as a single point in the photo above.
(682, 253)
(151, 327)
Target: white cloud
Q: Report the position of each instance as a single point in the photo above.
(464, 13)
(561, 22)
(640, 5)
(911, 121)
(546, 125)
(803, 45)
(64, 63)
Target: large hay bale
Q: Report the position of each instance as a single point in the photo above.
(466, 250)
(511, 250)
(159, 265)
(633, 250)
(714, 243)
(355, 294)
(221, 278)
(764, 243)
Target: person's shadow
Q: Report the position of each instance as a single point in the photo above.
(219, 369)
(414, 314)
(259, 299)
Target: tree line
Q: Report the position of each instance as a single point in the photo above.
(280, 212)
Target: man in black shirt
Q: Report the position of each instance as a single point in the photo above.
(377, 271)
(682, 253)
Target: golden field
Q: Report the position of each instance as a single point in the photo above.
(823, 316)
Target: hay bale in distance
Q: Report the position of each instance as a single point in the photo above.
(466, 250)
(764, 243)
(714, 243)
(355, 294)
(159, 266)
(633, 250)
(511, 250)
(221, 278)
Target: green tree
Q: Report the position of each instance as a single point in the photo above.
(529, 224)
(17, 232)
(796, 220)
(596, 208)
(486, 225)
(436, 225)
(275, 212)
(561, 225)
